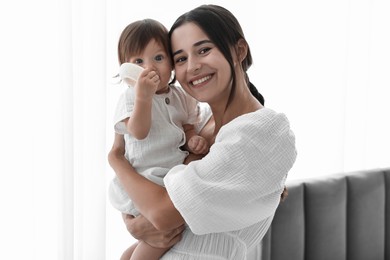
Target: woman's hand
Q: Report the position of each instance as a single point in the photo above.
(141, 229)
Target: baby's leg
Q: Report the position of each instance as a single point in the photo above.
(129, 252)
(144, 251)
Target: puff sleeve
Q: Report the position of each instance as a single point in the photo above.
(240, 181)
(124, 109)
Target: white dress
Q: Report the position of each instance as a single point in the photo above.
(155, 155)
(228, 199)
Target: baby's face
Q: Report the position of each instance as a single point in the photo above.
(155, 58)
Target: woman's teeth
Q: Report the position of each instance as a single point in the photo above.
(198, 81)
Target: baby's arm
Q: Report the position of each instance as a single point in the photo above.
(195, 143)
(140, 121)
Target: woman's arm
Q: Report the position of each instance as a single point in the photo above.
(152, 200)
(140, 228)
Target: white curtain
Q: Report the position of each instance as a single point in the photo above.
(53, 132)
(326, 64)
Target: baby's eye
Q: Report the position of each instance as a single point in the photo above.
(138, 61)
(159, 58)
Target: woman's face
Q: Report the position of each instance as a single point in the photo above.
(200, 67)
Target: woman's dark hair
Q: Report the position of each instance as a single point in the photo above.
(223, 29)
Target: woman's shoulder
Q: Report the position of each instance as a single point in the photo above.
(259, 130)
(260, 120)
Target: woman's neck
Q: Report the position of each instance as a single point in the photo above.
(243, 102)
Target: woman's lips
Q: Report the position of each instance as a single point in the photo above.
(199, 81)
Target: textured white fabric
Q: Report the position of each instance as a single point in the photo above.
(229, 197)
(153, 156)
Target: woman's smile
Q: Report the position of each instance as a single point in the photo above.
(200, 81)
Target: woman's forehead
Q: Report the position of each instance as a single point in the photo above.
(187, 35)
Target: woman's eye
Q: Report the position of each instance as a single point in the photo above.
(180, 59)
(204, 50)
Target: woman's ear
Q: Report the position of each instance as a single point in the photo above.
(241, 49)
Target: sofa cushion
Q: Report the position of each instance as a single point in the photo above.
(366, 216)
(325, 218)
(344, 216)
(291, 232)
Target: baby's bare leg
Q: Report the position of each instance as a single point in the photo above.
(144, 251)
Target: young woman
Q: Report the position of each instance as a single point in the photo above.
(227, 199)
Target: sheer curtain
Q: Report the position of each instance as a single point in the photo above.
(83, 77)
(53, 132)
(325, 64)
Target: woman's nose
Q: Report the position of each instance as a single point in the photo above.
(193, 65)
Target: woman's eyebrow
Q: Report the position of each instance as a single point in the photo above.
(194, 45)
(201, 42)
(177, 52)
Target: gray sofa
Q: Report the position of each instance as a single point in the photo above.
(337, 217)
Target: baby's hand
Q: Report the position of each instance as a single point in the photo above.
(147, 84)
(198, 145)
